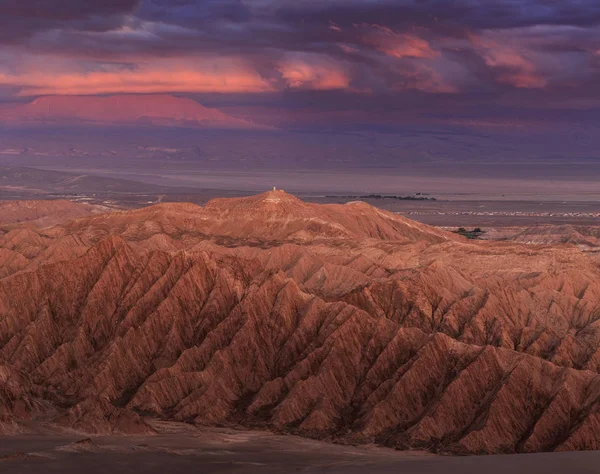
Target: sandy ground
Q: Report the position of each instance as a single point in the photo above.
(183, 449)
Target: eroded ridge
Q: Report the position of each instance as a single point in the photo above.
(330, 321)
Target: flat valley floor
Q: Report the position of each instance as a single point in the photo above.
(184, 449)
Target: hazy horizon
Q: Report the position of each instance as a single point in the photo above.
(414, 159)
(502, 91)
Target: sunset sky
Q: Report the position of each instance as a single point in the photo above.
(496, 61)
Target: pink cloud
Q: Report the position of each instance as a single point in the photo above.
(397, 45)
(158, 76)
(348, 49)
(512, 64)
(313, 72)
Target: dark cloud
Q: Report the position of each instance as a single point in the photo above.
(21, 19)
(195, 13)
(291, 25)
(469, 52)
(227, 26)
(471, 14)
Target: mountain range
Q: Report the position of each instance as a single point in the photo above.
(126, 109)
(336, 321)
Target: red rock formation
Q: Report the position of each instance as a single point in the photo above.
(334, 321)
(42, 214)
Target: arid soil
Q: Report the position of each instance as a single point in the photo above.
(183, 449)
(339, 322)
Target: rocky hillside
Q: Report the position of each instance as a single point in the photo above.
(331, 321)
(43, 213)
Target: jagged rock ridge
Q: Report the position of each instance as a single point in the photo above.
(331, 321)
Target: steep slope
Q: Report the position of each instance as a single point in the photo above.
(21, 245)
(341, 322)
(123, 109)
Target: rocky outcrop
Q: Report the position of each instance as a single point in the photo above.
(338, 322)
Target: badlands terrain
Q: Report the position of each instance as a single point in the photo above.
(340, 322)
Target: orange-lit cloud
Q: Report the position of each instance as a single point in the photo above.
(348, 49)
(156, 77)
(397, 45)
(315, 73)
(514, 68)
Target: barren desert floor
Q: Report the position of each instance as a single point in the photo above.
(185, 449)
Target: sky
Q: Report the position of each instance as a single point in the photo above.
(489, 63)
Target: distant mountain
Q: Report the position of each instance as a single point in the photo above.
(159, 110)
(30, 182)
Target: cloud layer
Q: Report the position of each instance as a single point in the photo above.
(475, 52)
